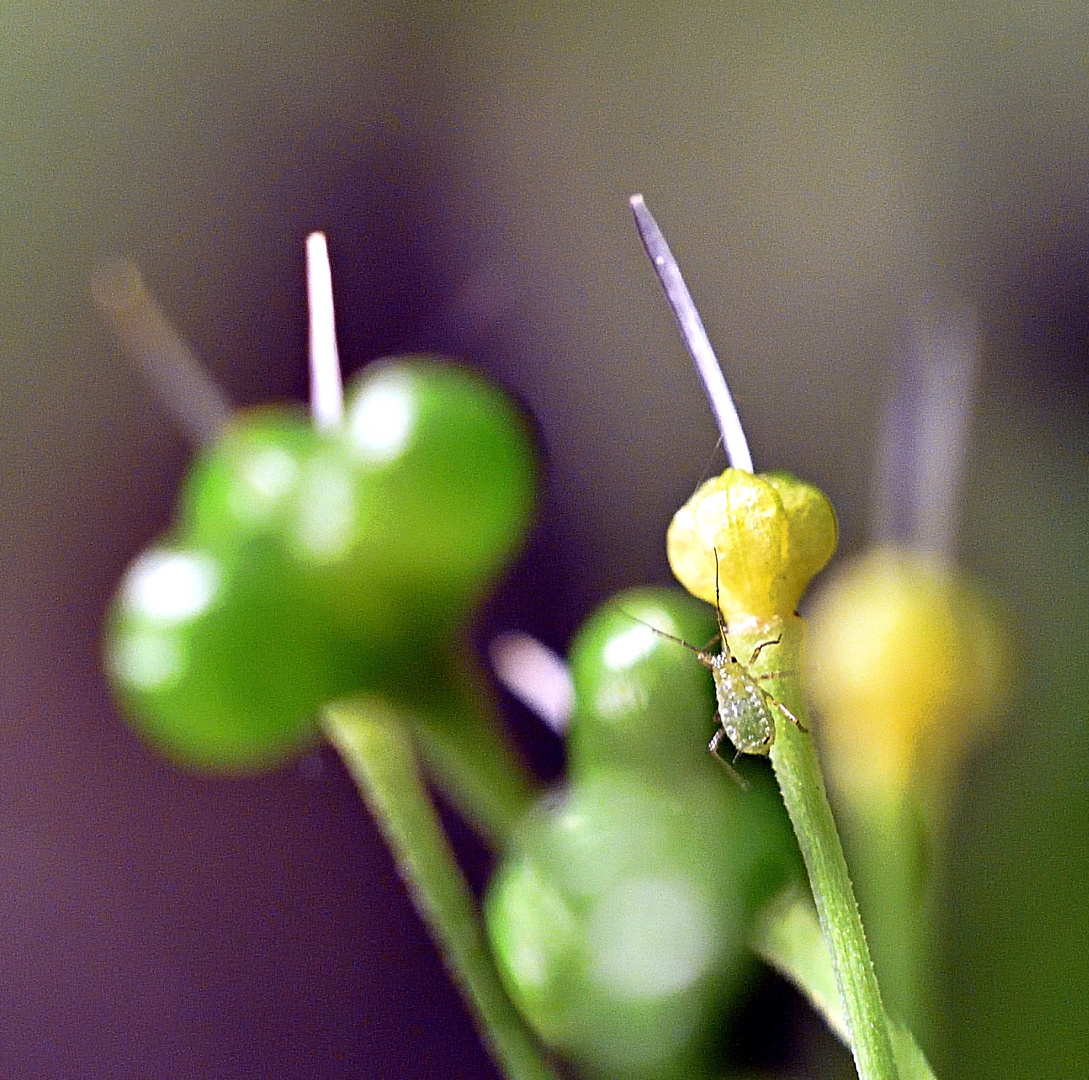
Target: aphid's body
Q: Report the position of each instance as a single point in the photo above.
(746, 711)
(744, 708)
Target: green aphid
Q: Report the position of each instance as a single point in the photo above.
(746, 711)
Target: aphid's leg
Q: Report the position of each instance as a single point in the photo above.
(775, 674)
(763, 645)
(790, 716)
(713, 746)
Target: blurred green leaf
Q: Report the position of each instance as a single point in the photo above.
(789, 938)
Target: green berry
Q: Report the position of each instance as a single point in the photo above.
(642, 701)
(418, 501)
(398, 521)
(620, 916)
(310, 565)
(219, 660)
(246, 483)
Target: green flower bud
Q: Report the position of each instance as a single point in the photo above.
(767, 535)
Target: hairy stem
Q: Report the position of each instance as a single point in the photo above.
(794, 760)
(380, 757)
(788, 937)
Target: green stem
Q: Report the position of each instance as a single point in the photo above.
(458, 735)
(379, 755)
(788, 936)
(794, 759)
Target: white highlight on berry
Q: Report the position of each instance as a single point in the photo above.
(327, 511)
(170, 586)
(694, 334)
(382, 418)
(536, 676)
(326, 387)
(668, 912)
(148, 661)
(628, 648)
(266, 478)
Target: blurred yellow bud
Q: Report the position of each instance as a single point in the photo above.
(772, 534)
(907, 664)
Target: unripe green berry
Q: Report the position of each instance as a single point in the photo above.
(246, 483)
(413, 507)
(219, 660)
(619, 918)
(642, 701)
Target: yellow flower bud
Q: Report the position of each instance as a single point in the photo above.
(772, 533)
(907, 665)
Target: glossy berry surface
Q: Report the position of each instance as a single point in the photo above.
(418, 501)
(642, 701)
(246, 484)
(219, 661)
(619, 919)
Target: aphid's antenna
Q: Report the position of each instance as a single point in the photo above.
(694, 334)
(701, 654)
(718, 613)
(326, 388)
(198, 406)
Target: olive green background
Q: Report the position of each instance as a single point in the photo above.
(822, 173)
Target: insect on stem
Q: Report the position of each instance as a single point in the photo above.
(744, 709)
(694, 334)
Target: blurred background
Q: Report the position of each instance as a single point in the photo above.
(824, 175)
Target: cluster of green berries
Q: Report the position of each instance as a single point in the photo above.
(620, 915)
(305, 566)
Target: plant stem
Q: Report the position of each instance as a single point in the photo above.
(455, 726)
(788, 937)
(794, 760)
(379, 755)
